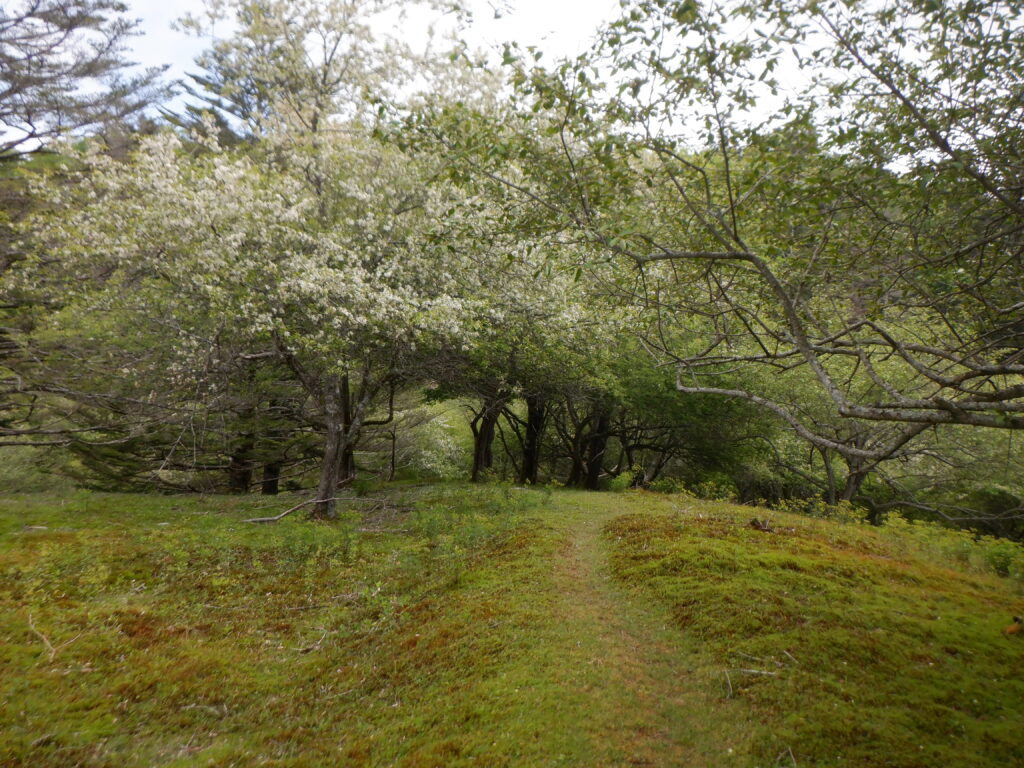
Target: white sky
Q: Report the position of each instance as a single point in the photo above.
(558, 27)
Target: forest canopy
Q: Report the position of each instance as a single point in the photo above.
(768, 251)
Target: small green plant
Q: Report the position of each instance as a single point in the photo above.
(621, 482)
(717, 488)
(954, 547)
(673, 485)
(364, 485)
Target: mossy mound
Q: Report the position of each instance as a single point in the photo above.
(854, 646)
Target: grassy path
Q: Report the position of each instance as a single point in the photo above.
(474, 636)
(648, 700)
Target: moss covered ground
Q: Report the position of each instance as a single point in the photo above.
(456, 626)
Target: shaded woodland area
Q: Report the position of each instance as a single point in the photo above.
(763, 251)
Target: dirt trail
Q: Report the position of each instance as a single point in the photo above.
(650, 707)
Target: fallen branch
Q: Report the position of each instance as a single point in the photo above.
(287, 512)
(53, 651)
(759, 659)
(314, 647)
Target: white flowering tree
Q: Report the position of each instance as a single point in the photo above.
(316, 249)
(346, 284)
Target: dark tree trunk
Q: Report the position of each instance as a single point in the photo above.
(270, 485)
(348, 455)
(831, 494)
(575, 478)
(240, 465)
(330, 471)
(394, 455)
(596, 445)
(577, 454)
(483, 427)
(536, 416)
(348, 462)
(852, 486)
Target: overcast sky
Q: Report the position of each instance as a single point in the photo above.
(559, 27)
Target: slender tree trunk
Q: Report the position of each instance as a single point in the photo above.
(348, 461)
(334, 453)
(830, 476)
(483, 426)
(394, 454)
(348, 452)
(595, 450)
(536, 417)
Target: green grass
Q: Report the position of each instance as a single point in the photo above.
(458, 626)
(853, 646)
(184, 637)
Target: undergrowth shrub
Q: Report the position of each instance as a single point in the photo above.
(842, 511)
(672, 485)
(621, 482)
(960, 548)
(716, 488)
(27, 470)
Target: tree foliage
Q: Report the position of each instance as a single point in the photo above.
(54, 54)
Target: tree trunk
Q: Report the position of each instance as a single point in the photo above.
(854, 480)
(483, 426)
(394, 455)
(596, 445)
(348, 451)
(334, 452)
(270, 485)
(831, 495)
(348, 460)
(240, 465)
(536, 417)
(575, 478)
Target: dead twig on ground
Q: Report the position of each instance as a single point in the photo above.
(759, 659)
(50, 647)
(314, 647)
